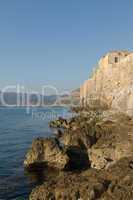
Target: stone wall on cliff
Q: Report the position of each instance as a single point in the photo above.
(112, 82)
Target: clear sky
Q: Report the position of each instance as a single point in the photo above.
(57, 42)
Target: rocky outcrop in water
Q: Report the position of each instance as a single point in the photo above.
(46, 151)
(94, 155)
(49, 153)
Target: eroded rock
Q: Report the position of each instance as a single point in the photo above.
(121, 177)
(101, 142)
(114, 143)
(68, 186)
(49, 152)
(83, 131)
(59, 123)
(114, 183)
(46, 151)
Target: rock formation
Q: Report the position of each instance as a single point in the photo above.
(50, 152)
(46, 151)
(94, 156)
(115, 142)
(116, 183)
(93, 151)
(111, 82)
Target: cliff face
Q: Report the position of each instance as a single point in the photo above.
(111, 82)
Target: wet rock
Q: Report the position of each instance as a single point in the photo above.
(46, 151)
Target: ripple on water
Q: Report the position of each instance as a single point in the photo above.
(17, 130)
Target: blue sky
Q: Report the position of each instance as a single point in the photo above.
(57, 42)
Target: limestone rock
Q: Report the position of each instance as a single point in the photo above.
(121, 177)
(115, 142)
(84, 131)
(111, 82)
(59, 123)
(114, 183)
(50, 153)
(46, 151)
(76, 138)
(67, 186)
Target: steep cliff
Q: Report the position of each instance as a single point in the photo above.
(111, 82)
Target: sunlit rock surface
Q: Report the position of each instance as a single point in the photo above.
(111, 82)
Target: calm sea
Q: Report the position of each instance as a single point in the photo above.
(18, 127)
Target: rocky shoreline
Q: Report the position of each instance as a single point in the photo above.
(93, 154)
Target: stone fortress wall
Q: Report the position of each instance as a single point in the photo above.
(112, 81)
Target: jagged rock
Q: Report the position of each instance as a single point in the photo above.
(101, 141)
(76, 138)
(49, 152)
(114, 183)
(84, 132)
(121, 177)
(89, 185)
(114, 143)
(46, 151)
(59, 123)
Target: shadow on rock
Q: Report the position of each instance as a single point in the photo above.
(78, 158)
